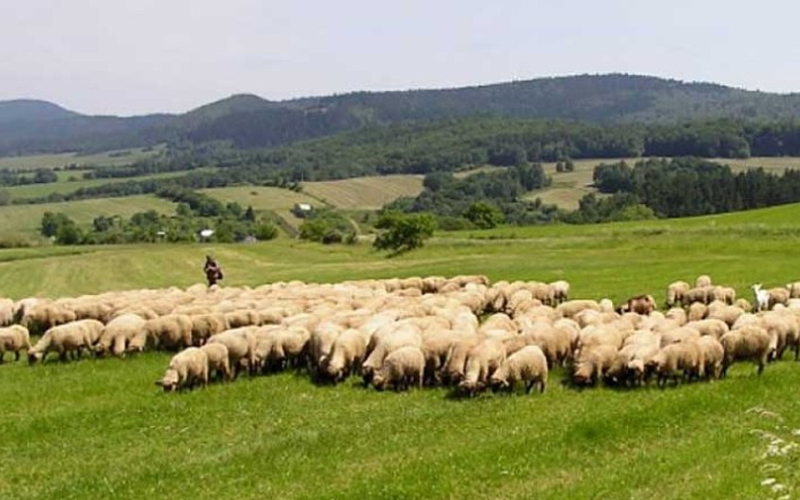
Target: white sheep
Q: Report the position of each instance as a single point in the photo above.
(402, 368)
(186, 369)
(14, 339)
(528, 366)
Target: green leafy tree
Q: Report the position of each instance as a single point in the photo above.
(403, 232)
(484, 215)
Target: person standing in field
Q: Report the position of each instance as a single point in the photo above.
(212, 270)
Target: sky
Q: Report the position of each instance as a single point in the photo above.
(127, 57)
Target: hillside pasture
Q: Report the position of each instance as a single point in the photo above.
(101, 428)
(364, 193)
(22, 221)
(60, 160)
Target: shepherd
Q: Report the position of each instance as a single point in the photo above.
(212, 270)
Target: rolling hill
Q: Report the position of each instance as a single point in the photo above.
(249, 121)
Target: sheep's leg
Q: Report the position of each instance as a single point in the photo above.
(2, 355)
(760, 367)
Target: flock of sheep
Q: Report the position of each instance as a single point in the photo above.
(461, 332)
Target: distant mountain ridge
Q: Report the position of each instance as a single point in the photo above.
(249, 121)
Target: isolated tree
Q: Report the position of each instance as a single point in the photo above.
(403, 232)
(484, 215)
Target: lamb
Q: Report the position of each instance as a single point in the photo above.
(750, 342)
(346, 354)
(14, 339)
(402, 368)
(218, 360)
(482, 360)
(186, 369)
(528, 365)
(676, 293)
(118, 333)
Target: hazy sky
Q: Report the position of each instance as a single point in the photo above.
(141, 56)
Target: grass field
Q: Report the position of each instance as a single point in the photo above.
(109, 158)
(366, 193)
(65, 185)
(22, 221)
(101, 429)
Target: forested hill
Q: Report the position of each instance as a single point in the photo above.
(251, 122)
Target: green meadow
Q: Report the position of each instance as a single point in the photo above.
(100, 428)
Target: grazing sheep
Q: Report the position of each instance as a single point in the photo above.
(682, 358)
(728, 314)
(40, 316)
(241, 347)
(593, 364)
(454, 365)
(713, 355)
(206, 325)
(560, 291)
(749, 342)
(289, 348)
(678, 315)
(724, 294)
(118, 333)
(402, 368)
(218, 360)
(6, 311)
(240, 318)
(641, 304)
(676, 293)
(697, 311)
(386, 340)
(714, 327)
(172, 332)
(346, 354)
(571, 308)
(322, 339)
(66, 339)
(186, 369)
(794, 290)
(702, 281)
(528, 365)
(482, 360)
(778, 296)
(743, 304)
(14, 339)
(701, 294)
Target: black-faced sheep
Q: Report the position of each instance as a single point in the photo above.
(186, 369)
(527, 366)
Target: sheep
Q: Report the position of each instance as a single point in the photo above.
(641, 304)
(630, 361)
(743, 304)
(702, 281)
(402, 368)
(676, 293)
(750, 342)
(778, 295)
(289, 348)
(237, 319)
(725, 294)
(560, 291)
(678, 315)
(674, 359)
(482, 360)
(241, 347)
(206, 325)
(118, 333)
(571, 308)
(41, 316)
(323, 335)
(14, 339)
(6, 312)
(713, 355)
(714, 327)
(346, 354)
(436, 346)
(386, 340)
(556, 344)
(66, 339)
(697, 311)
(678, 335)
(218, 360)
(593, 364)
(728, 314)
(701, 294)
(794, 290)
(186, 369)
(528, 365)
(173, 331)
(784, 326)
(452, 371)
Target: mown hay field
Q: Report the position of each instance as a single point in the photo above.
(365, 193)
(102, 429)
